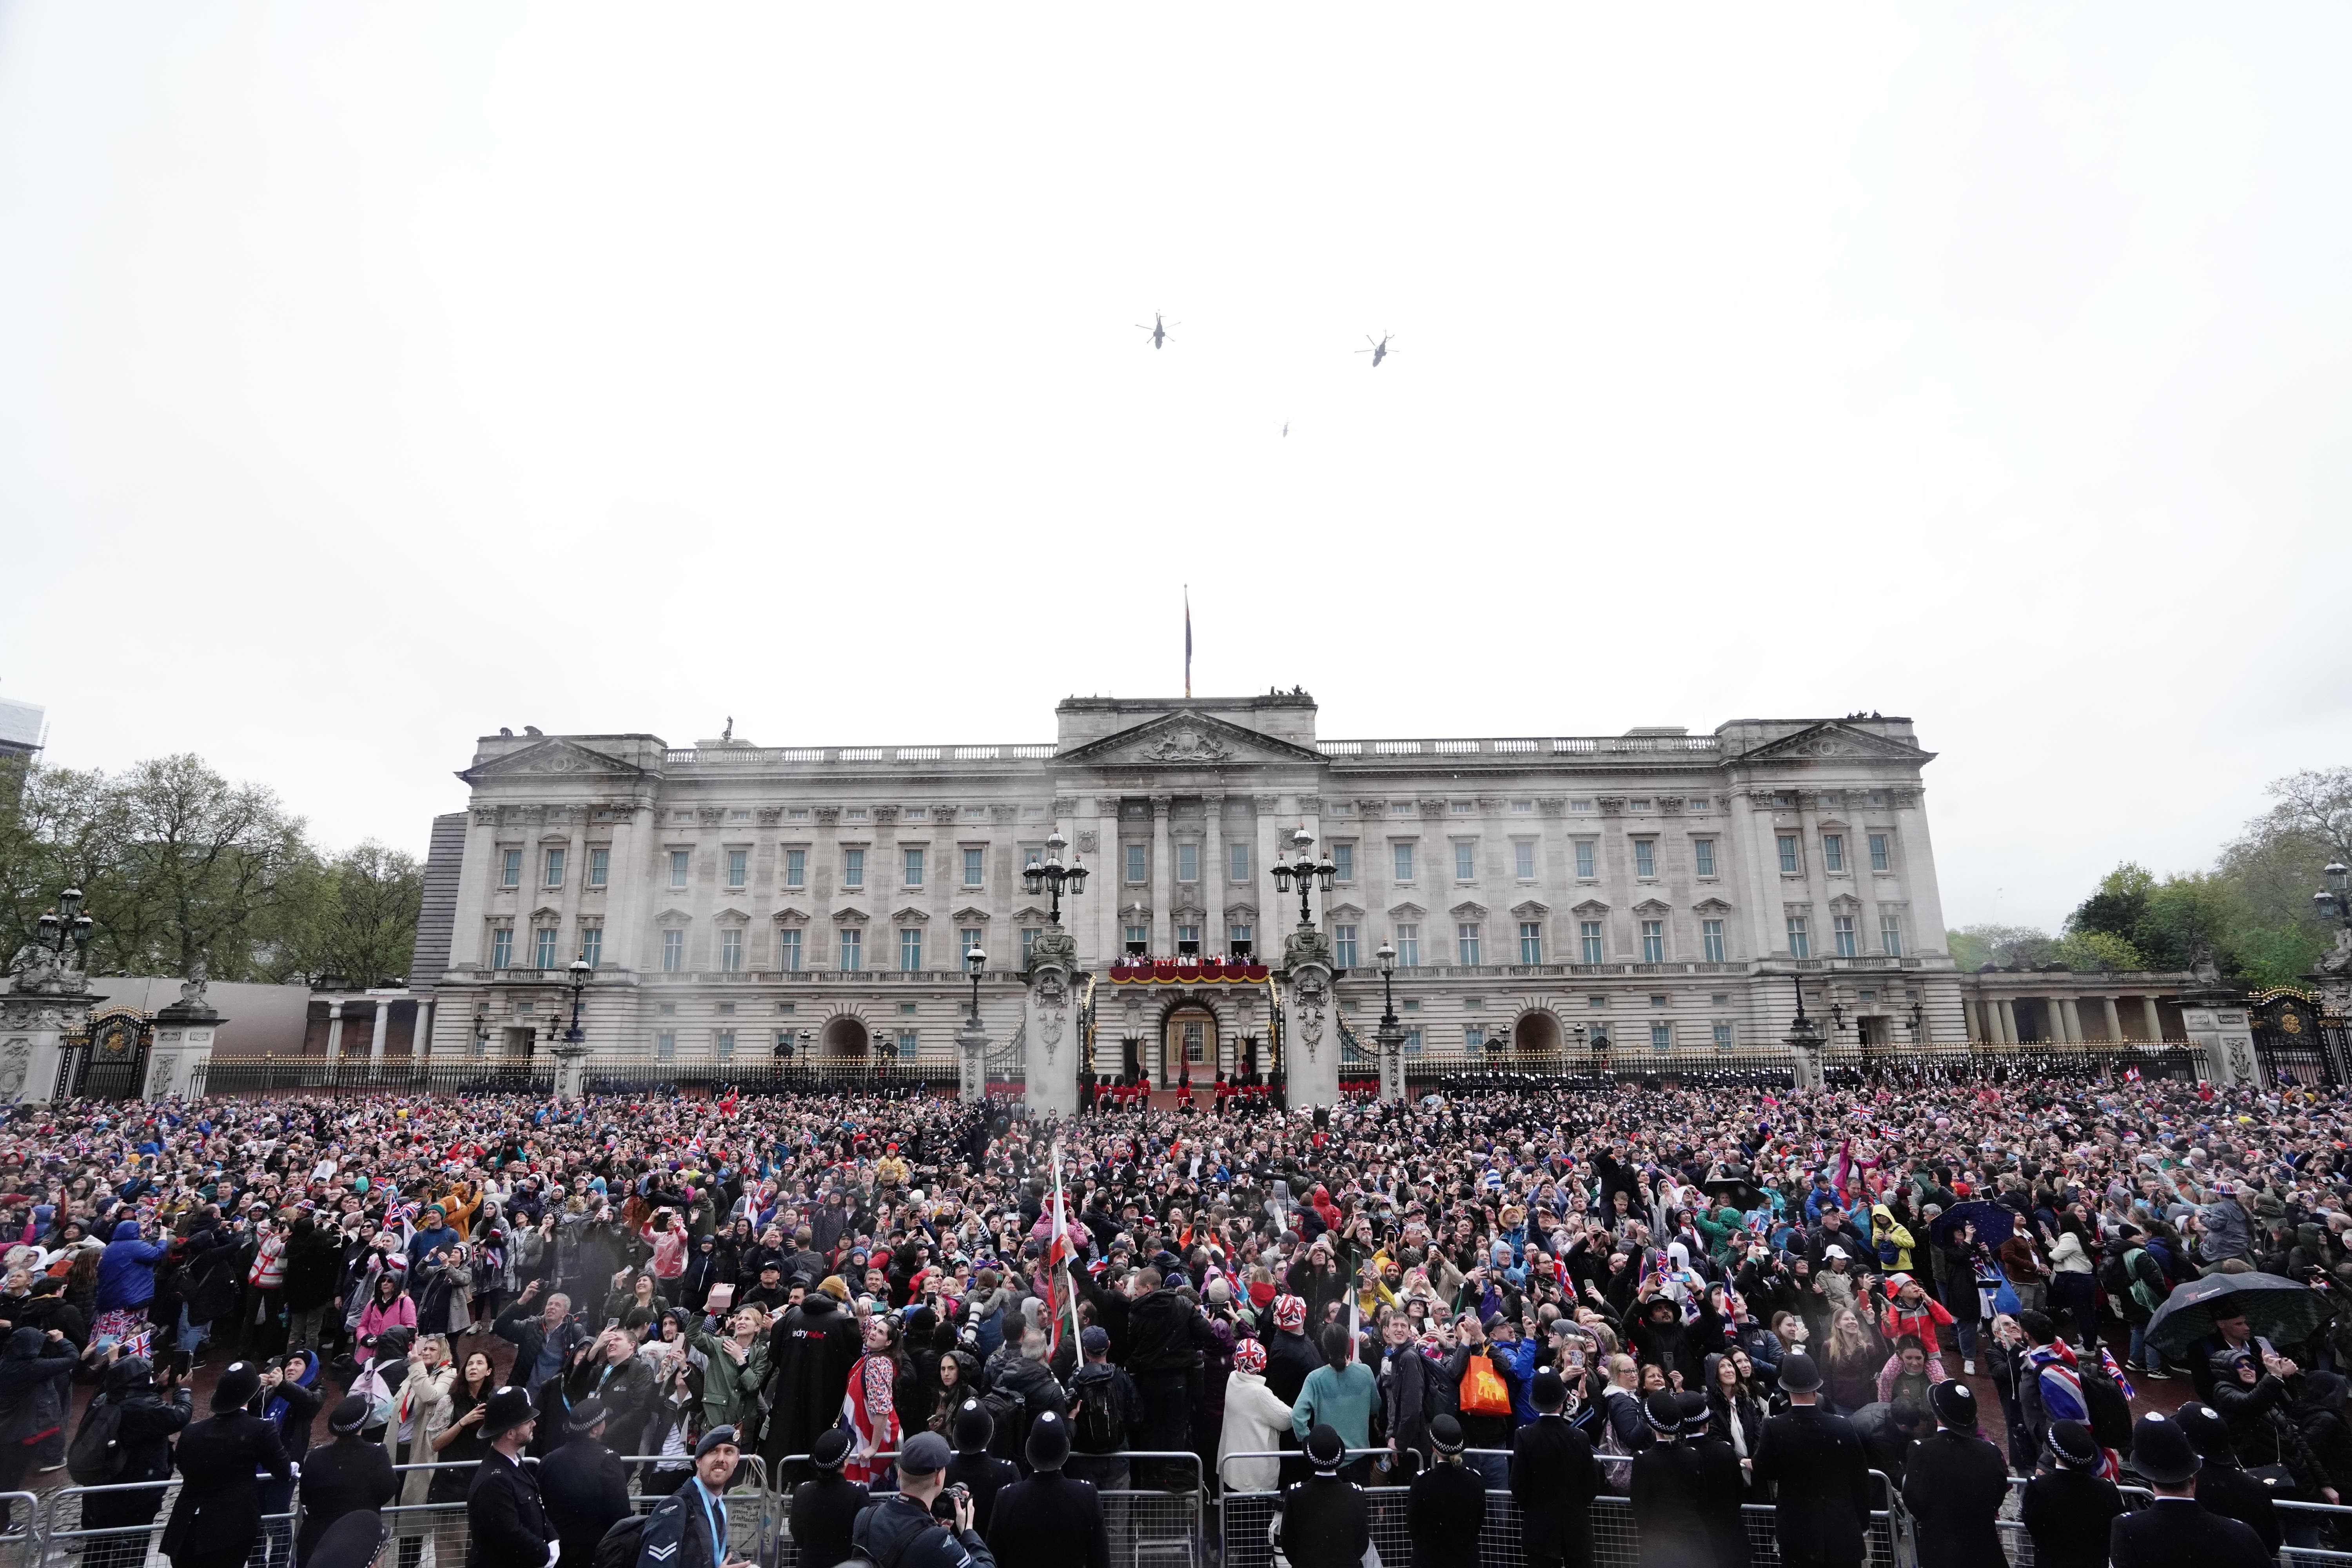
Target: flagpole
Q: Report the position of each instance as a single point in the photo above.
(1061, 1224)
(1188, 642)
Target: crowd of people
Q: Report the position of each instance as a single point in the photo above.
(1675, 1294)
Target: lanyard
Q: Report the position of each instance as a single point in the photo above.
(714, 1514)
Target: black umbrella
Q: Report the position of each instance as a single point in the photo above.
(1994, 1223)
(1738, 1191)
(2279, 1309)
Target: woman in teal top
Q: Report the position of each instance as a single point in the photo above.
(1341, 1394)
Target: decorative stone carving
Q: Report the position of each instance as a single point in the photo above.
(826, 814)
(486, 816)
(886, 813)
(1670, 805)
(1088, 840)
(191, 989)
(1186, 744)
(1432, 808)
(1053, 987)
(1003, 811)
(1161, 804)
(1613, 805)
(1490, 802)
(15, 1062)
(1064, 805)
(769, 815)
(709, 816)
(1310, 806)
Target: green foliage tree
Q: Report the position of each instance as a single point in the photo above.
(353, 916)
(1974, 946)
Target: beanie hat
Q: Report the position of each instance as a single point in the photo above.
(1249, 1356)
(831, 1286)
(1289, 1313)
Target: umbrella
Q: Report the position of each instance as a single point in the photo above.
(1994, 1223)
(2277, 1308)
(1738, 1191)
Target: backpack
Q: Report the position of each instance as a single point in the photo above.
(2110, 1412)
(1095, 1426)
(618, 1547)
(2115, 1278)
(1008, 1411)
(96, 1456)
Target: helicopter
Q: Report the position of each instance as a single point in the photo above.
(1159, 330)
(1379, 351)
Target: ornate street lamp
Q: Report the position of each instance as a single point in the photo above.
(2333, 902)
(1390, 1035)
(1306, 870)
(581, 971)
(975, 960)
(67, 926)
(1050, 874)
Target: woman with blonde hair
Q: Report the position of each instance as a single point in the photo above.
(1850, 1361)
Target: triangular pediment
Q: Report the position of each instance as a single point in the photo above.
(1531, 909)
(1468, 911)
(1830, 739)
(910, 915)
(1711, 907)
(1407, 912)
(969, 916)
(1652, 907)
(550, 758)
(1590, 907)
(1185, 739)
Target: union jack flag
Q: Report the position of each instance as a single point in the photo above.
(2131, 1075)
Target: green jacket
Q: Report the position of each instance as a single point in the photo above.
(730, 1391)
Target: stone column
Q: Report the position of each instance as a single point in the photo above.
(375, 1036)
(2150, 1019)
(2070, 1022)
(1391, 1042)
(181, 1056)
(2214, 1018)
(1163, 880)
(420, 1033)
(334, 1031)
(1050, 1024)
(2005, 1015)
(2112, 1018)
(1213, 875)
(1262, 894)
(972, 1060)
(1310, 1021)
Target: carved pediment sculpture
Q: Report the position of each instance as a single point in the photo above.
(1187, 745)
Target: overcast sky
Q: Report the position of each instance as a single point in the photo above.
(371, 377)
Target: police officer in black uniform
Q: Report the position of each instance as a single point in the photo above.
(2069, 1509)
(2223, 1487)
(979, 1471)
(506, 1523)
(1722, 1485)
(1821, 1512)
(1326, 1522)
(1447, 1507)
(582, 1484)
(2174, 1531)
(1554, 1478)
(1954, 1485)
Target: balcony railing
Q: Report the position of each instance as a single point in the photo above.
(776, 756)
(1543, 746)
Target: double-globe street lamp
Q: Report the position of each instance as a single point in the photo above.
(1051, 875)
(1306, 870)
(65, 926)
(2333, 902)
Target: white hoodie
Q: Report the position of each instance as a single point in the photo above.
(1255, 1422)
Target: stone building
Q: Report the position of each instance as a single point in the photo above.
(1657, 888)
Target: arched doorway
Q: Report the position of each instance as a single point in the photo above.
(845, 1038)
(1537, 1034)
(1187, 1039)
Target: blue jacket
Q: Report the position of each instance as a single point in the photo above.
(1519, 1359)
(126, 1269)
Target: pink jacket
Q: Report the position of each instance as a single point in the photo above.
(374, 1318)
(669, 1250)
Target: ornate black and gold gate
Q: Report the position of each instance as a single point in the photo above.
(2297, 1040)
(113, 1065)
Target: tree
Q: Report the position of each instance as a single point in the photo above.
(2119, 905)
(354, 916)
(1973, 947)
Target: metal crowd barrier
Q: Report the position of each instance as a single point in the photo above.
(59, 1526)
(752, 1512)
(1243, 1517)
(1148, 1527)
(2015, 1541)
(2326, 1529)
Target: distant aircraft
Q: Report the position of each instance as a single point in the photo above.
(1159, 330)
(1379, 351)
(1285, 427)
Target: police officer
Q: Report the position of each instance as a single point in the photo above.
(979, 1471)
(688, 1527)
(1667, 1493)
(1447, 1507)
(1722, 1484)
(899, 1531)
(506, 1523)
(1554, 1478)
(2173, 1532)
(1326, 1520)
(2069, 1509)
(1821, 1509)
(825, 1507)
(1050, 1521)
(584, 1487)
(1954, 1485)
(2223, 1486)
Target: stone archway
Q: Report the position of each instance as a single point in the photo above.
(1537, 1034)
(845, 1038)
(1188, 1028)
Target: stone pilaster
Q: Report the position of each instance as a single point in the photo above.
(1051, 1023)
(1310, 1021)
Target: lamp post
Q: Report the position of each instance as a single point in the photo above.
(1051, 875)
(572, 1048)
(67, 926)
(1306, 870)
(1805, 1042)
(2333, 902)
(1392, 1033)
(973, 1042)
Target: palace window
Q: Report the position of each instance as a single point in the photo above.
(1408, 946)
(911, 948)
(1653, 942)
(1238, 859)
(796, 867)
(1697, 804)
(853, 948)
(1459, 807)
(1800, 942)
(1138, 933)
(592, 945)
(967, 938)
(1722, 1037)
(852, 867)
(673, 952)
(1890, 935)
(1788, 864)
(510, 869)
(1465, 941)
(600, 866)
(975, 867)
(1645, 856)
(1523, 861)
(1196, 1040)
(739, 868)
(909, 1045)
(1583, 804)
(1710, 940)
(855, 813)
(1703, 857)
(1522, 808)
(1242, 936)
(1413, 1041)
(1842, 935)
(553, 869)
(666, 1044)
(1343, 946)
(1029, 935)
(681, 862)
(1584, 857)
(788, 950)
(731, 949)
(1139, 862)
(1662, 1037)
(1588, 936)
(542, 942)
(1404, 856)
(1474, 1037)
(1187, 862)
(1878, 856)
(1343, 862)
(1466, 861)
(724, 1044)
(1188, 934)
(914, 866)
(1530, 941)
(1833, 851)
(502, 947)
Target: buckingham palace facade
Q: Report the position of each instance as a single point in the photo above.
(1656, 888)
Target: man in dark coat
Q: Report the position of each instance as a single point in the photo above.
(1722, 1485)
(218, 1514)
(1447, 1507)
(899, 1531)
(2069, 1510)
(974, 1468)
(2173, 1532)
(2223, 1487)
(1554, 1479)
(1050, 1521)
(810, 1352)
(150, 1415)
(1326, 1520)
(825, 1507)
(1954, 1485)
(33, 1370)
(1165, 1339)
(582, 1486)
(506, 1521)
(1668, 1494)
(1291, 1359)
(1821, 1512)
(344, 1475)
